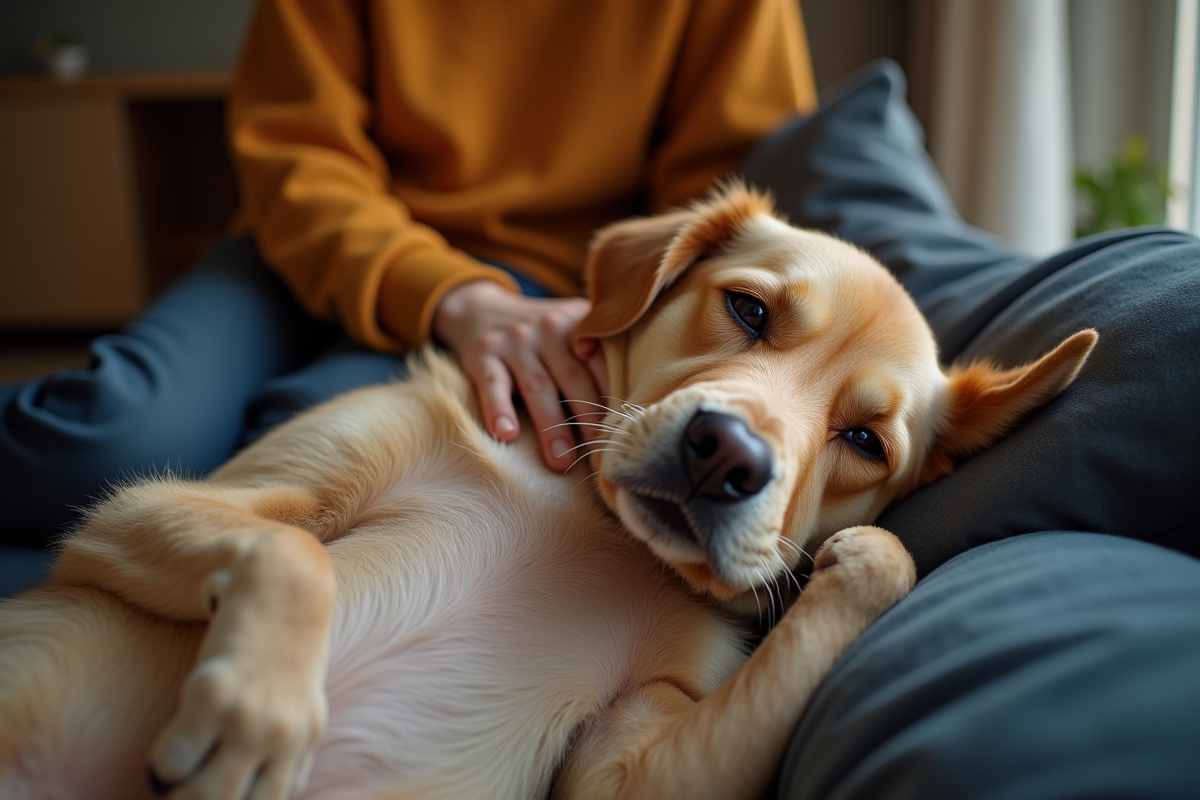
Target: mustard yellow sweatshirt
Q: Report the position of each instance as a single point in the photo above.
(416, 137)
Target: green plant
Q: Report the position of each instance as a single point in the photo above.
(1131, 190)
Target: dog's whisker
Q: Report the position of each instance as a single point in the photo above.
(797, 549)
(624, 402)
(588, 414)
(606, 408)
(757, 604)
(766, 587)
(591, 452)
(600, 425)
(787, 571)
(780, 593)
(587, 477)
(596, 441)
(579, 422)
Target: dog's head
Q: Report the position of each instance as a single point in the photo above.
(778, 386)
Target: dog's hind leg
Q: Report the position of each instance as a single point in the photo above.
(86, 683)
(657, 742)
(204, 553)
(243, 551)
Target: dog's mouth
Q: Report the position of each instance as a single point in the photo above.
(673, 492)
(667, 514)
(669, 520)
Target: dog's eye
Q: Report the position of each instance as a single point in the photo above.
(750, 313)
(865, 443)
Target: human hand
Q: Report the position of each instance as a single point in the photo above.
(505, 341)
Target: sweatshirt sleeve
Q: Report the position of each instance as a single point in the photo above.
(743, 68)
(315, 187)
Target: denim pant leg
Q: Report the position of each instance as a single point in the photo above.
(170, 391)
(343, 367)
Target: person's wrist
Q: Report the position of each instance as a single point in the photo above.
(461, 303)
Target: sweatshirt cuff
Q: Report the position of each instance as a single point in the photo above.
(405, 307)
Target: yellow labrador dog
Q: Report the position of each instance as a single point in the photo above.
(377, 600)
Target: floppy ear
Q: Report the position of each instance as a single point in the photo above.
(983, 402)
(631, 262)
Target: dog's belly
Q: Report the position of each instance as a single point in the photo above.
(469, 644)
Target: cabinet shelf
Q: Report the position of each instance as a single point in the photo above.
(109, 187)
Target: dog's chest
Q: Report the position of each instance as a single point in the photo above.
(480, 623)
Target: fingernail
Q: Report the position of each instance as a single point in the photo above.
(560, 447)
(504, 425)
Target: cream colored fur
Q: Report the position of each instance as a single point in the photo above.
(378, 600)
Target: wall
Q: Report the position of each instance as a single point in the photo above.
(845, 34)
(177, 34)
(127, 35)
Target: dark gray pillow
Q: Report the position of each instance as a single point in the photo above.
(1119, 451)
(1052, 666)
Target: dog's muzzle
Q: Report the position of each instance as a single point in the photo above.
(702, 491)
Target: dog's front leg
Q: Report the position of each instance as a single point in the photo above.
(253, 708)
(657, 742)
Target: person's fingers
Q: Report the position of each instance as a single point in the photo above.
(575, 384)
(597, 365)
(506, 342)
(576, 308)
(541, 395)
(494, 384)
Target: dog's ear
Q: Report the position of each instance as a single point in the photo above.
(631, 262)
(984, 402)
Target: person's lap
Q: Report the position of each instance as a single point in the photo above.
(217, 360)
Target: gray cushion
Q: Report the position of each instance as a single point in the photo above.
(1041, 667)
(1119, 451)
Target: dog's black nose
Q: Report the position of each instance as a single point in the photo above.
(724, 461)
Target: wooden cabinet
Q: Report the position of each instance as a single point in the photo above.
(109, 187)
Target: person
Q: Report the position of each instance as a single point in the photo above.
(411, 172)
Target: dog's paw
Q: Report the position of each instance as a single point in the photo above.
(871, 563)
(253, 708)
(238, 734)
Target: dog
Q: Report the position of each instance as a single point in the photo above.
(378, 600)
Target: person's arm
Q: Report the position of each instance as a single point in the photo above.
(316, 197)
(743, 68)
(315, 188)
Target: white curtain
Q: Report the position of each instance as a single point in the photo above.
(1016, 93)
(999, 109)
